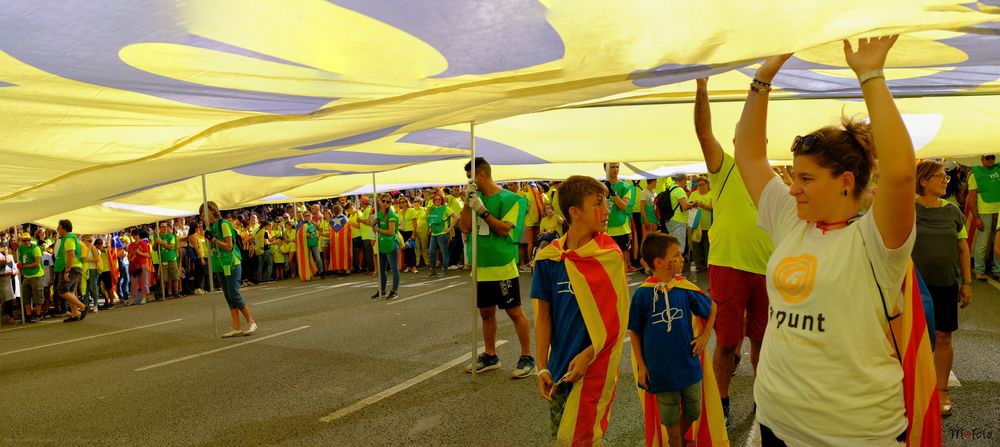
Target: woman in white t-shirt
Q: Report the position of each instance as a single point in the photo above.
(827, 373)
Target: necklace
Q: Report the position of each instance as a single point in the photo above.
(827, 226)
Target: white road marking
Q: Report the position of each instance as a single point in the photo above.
(398, 388)
(189, 357)
(397, 301)
(953, 380)
(634, 283)
(422, 283)
(89, 337)
(321, 289)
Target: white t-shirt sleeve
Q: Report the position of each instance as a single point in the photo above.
(890, 264)
(646, 196)
(776, 210)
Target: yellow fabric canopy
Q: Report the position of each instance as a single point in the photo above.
(111, 106)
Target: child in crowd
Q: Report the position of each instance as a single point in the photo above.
(551, 227)
(278, 249)
(665, 354)
(580, 289)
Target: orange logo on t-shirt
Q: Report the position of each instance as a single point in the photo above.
(794, 278)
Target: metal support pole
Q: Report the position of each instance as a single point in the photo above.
(474, 238)
(378, 259)
(208, 244)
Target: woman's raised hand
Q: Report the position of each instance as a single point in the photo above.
(870, 55)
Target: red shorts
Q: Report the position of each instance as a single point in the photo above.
(738, 294)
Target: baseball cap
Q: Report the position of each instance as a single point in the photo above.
(25, 236)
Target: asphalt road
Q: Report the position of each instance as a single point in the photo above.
(329, 366)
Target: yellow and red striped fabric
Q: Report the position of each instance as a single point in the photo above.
(341, 250)
(597, 274)
(303, 258)
(710, 429)
(923, 409)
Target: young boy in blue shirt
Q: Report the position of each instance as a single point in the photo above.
(581, 297)
(663, 340)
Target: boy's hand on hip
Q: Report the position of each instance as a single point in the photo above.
(698, 344)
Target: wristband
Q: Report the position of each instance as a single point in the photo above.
(483, 215)
(760, 86)
(871, 75)
(544, 371)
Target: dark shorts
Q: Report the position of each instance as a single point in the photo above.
(70, 286)
(32, 291)
(557, 405)
(105, 279)
(505, 294)
(738, 295)
(945, 307)
(623, 241)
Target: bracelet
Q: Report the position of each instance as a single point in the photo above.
(871, 75)
(760, 86)
(544, 371)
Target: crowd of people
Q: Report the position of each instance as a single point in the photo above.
(805, 261)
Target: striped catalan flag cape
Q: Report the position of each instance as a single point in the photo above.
(923, 409)
(597, 274)
(710, 429)
(111, 255)
(341, 250)
(537, 202)
(303, 259)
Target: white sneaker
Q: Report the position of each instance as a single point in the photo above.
(454, 267)
(232, 333)
(251, 329)
(199, 291)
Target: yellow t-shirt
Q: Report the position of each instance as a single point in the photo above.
(550, 224)
(737, 241)
(366, 230)
(705, 222)
(983, 207)
(70, 245)
(421, 215)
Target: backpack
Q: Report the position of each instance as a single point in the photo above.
(664, 209)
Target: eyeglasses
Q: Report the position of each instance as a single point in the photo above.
(944, 177)
(989, 157)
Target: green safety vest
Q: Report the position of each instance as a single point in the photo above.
(988, 181)
(496, 251)
(60, 263)
(26, 256)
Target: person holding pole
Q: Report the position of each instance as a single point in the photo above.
(737, 265)
(501, 220)
(226, 260)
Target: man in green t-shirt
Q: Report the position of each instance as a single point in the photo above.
(29, 262)
(621, 199)
(170, 273)
(500, 221)
(984, 195)
(737, 262)
(67, 270)
(312, 242)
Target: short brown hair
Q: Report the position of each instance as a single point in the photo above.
(848, 148)
(655, 246)
(925, 169)
(574, 189)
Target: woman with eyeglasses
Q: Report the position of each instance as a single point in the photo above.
(827, 373)
(940, 229)
(386, 224)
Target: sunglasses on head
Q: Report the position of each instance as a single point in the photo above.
(806, 145)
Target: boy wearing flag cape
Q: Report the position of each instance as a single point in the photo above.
(581, 298)
(677, 389)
